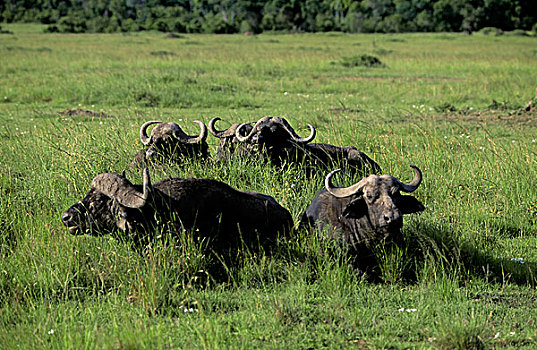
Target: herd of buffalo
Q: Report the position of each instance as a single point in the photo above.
(360, 216)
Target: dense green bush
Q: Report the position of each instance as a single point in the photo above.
(74, 23)
(361, 61)
(245, 27)
(216, 24)
(130, 25)
(48, 16)
(489, 30)
(353, 23)
(386, 16)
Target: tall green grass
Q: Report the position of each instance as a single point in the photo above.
(452, 285)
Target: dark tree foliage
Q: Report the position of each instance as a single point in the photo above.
(233, 16)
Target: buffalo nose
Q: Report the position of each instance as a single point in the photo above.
(66, 218)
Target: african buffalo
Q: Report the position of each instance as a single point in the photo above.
(277, 139)
(366, 213)
(226, 217)
(229, 145)
(169, 142)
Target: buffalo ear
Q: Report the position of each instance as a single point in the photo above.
(355, 209)
(409, 205)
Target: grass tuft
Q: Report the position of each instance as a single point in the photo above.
(362, 61)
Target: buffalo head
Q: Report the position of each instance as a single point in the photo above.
(376, 201)
(168, 139)
(366, 213)
(273, 132)
(112, 202)
(274, 138)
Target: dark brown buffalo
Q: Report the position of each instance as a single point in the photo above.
(275, 138)
(365, 214)
(210, 208)
(168, 142)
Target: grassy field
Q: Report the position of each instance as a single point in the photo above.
(450, 103)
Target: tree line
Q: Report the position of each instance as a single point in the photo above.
(235, 16)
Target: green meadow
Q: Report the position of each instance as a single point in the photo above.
(452, 104)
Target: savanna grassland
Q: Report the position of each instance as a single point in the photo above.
(450, 103)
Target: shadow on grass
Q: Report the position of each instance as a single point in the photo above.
(428, 251)
(437, 244)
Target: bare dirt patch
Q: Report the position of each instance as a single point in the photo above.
(397, 77)
(83, 113)
(489, 117)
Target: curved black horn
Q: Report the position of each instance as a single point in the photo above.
(285, 124)
(213, 130)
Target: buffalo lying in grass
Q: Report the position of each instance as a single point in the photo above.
(365, 214)
(226, 217)
(168, 142)
(275, 138)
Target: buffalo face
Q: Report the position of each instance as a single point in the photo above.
(168, 140)
(365, 214)
(91, 215)
(377, 202)
(274, 138)
(382, 206)
(273, 132)
(112, 203)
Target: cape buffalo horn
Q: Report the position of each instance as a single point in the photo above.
(413, 185)
(297, 138)
(146, 187)
(212, 129)
(119, 188)
(180, 134)
(143, 134)
(252, 132)
(224, 133)
(342, 192)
